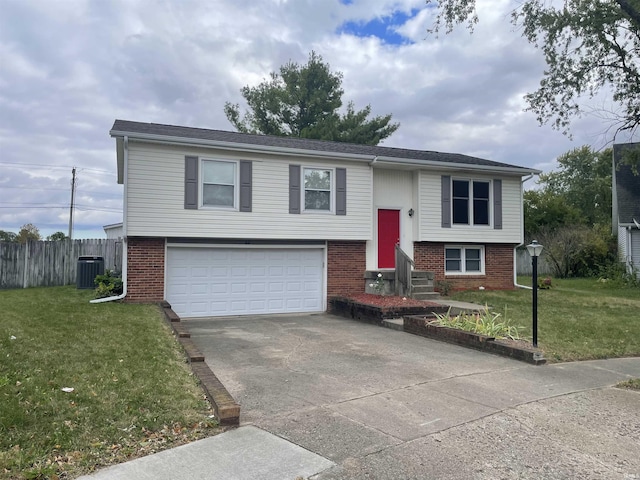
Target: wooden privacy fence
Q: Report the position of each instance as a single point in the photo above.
(48, 264)
(524, 266)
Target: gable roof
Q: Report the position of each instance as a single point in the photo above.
(627, 186)
(304, 146)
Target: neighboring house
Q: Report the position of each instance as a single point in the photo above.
(626, 209)
(225, 223)
(113, 231)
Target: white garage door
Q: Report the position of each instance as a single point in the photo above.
(238, 281)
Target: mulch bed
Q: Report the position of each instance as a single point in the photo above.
(386, 301)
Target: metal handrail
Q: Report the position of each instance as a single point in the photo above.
(403, 272)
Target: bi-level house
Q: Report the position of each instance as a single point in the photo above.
(224, 223)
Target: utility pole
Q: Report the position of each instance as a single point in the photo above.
(73, 191)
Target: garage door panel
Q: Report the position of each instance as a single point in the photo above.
(199, 289)
(237, 281)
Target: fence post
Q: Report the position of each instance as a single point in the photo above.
(25, 283)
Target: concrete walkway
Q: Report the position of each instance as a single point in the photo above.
(328, 398)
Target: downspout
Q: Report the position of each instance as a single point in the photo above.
(124, 228)
(515, 249)
(372, 162)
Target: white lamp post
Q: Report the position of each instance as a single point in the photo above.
(535, 249)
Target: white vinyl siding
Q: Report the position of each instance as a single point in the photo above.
(430, 221)
(155, 203)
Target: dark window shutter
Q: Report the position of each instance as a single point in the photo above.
(294, 188)
(497, 204)
(446, 201)
(341, 191)
(191, 182)
(246, 175)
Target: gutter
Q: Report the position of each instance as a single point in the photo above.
(515, 249)
(124, 233)
(244, 147)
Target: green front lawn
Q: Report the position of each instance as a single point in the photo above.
(133, 393)
(578, 319)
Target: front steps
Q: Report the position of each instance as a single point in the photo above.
(422, 286)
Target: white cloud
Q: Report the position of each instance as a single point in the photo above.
(70, 68)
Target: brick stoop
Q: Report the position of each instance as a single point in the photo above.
(226, 409)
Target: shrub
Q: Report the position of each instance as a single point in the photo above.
(544, 283)
(108, 285)
(483, 323)
(616, 275)
(378, 285)
(444, 287)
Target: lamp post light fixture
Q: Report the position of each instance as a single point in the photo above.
(535, 249)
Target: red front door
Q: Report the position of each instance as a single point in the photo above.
(388, 237)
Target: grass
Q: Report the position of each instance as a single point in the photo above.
(633, 384)
(133, 392)
(578, 319)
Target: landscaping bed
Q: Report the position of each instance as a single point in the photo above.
(376, 308)
(519, 350)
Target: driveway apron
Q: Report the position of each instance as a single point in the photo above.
(386, 404)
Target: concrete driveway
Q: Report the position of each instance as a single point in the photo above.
(386, 404)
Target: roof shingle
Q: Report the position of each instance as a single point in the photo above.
(295, 143)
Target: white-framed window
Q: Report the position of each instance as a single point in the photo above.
(219, 181)
(460, 259)
(318, 189)
(470, 202)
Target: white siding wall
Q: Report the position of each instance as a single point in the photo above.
(635, 250)
(430, 228)
(623, 244)
(629, 248)
(392, 189)
(155, 189)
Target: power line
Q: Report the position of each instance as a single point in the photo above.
(65, 167)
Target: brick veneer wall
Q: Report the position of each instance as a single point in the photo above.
(346, 263)
(145, 269)
(498, 267)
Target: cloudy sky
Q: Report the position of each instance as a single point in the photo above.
(69, 68)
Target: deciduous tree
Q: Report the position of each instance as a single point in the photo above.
(28, 232)
(588, 45)
(583, 181)
(57, 236)
(7, 236)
